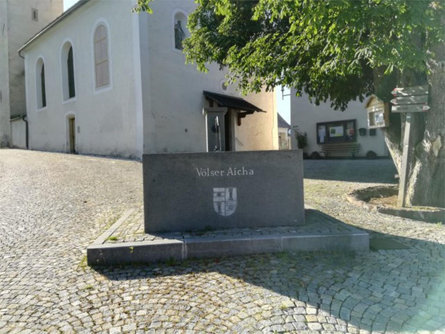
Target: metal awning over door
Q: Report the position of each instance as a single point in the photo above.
(232, 102)
(221, 115)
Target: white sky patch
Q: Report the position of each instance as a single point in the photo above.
(68, 3)
(283, 103)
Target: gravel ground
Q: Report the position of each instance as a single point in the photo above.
(52, 206)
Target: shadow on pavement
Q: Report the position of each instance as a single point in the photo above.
(398, 285)
(368, 171)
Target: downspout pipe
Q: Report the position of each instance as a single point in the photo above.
(25, 119)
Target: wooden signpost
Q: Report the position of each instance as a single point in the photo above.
(413, 99)
(408, 100)
(410, 108)
(410, 91)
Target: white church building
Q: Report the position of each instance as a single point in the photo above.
(103, 80)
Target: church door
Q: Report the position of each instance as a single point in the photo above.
(72, 134)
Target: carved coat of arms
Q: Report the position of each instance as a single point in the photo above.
(225, 201)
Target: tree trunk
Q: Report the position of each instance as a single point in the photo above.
(426, 167)
(426, 184)
(393, 139)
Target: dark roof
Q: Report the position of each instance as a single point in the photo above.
(60, 18)
(231, 102)
(282, 123)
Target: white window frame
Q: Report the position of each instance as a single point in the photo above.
(98, 90)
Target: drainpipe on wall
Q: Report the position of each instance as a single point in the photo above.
(25, 119)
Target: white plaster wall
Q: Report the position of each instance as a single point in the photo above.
(306, 115)
(106, 119)
(4, 76)
(18, 133)
(173, 92)
(21, 29)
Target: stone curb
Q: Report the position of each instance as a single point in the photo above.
(178, 250)
(108, 233)
(358, 198)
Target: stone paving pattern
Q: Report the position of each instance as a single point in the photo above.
(52, 206)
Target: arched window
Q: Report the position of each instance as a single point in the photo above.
(69, 88)
(101, 57)
(40, 84)
(180, 30)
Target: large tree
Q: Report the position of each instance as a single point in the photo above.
(337, 50)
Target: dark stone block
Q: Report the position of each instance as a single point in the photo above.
(197, 248)
(205, 191)
(142, 252)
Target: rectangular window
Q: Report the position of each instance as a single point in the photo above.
(336, 132)
(34, 14)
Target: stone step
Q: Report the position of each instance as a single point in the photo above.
(320, 233)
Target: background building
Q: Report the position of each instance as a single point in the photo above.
(284, 133)
(19, 20)
(337, 131)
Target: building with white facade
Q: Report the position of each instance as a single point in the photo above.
(19, 20)
(103, 80)
(335, 133)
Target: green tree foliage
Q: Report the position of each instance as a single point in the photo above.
(143, 6)
(333, 49)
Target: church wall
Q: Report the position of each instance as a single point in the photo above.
(263, 127)
(105, 118)
(173, 92)
(4, 77)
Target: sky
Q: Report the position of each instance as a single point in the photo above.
(283, 104)
(282, 99)
(68, 3)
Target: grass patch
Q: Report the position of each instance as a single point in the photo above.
(83, 264)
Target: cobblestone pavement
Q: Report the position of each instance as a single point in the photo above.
(52, 206)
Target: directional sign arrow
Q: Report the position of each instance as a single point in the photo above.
(410, 91)
(410, 108)
(410, 99)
